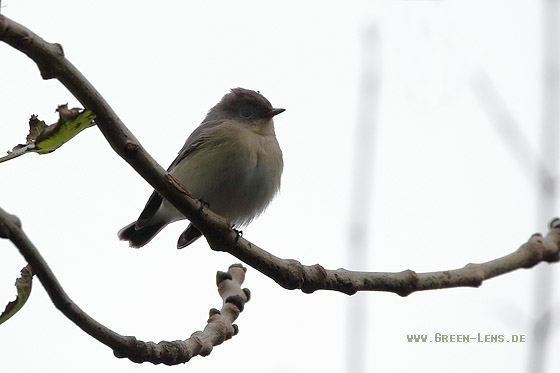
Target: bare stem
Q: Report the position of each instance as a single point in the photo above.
(219, 327)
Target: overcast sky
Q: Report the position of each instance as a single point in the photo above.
(447, 188)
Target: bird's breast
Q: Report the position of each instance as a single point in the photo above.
(236, 172)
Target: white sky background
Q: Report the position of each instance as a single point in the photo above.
(447, 189)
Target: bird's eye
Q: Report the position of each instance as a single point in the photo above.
(246, 112)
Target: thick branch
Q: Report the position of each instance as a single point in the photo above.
(293, 275)
(50, 59)
(288, 273)
(219, 328)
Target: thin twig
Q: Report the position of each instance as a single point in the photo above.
(219, 327)
(292, 274)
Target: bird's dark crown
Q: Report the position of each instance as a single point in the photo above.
(241, 103)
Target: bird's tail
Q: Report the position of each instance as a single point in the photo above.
(138, 237)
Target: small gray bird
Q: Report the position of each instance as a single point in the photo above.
(232, 162)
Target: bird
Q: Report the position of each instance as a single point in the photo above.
(232, 162)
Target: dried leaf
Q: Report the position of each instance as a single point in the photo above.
(36, 126)
(45, 139)
(23, 286)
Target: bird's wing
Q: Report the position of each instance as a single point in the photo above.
(150, 210)
(194, 142)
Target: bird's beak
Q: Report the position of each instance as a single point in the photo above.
(274, 112)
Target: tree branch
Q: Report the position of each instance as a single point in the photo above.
(50, 59)
(288, 273)
(291, 274)
(219, 328)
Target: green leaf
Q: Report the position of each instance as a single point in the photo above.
(23, 286)
(43, 138)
